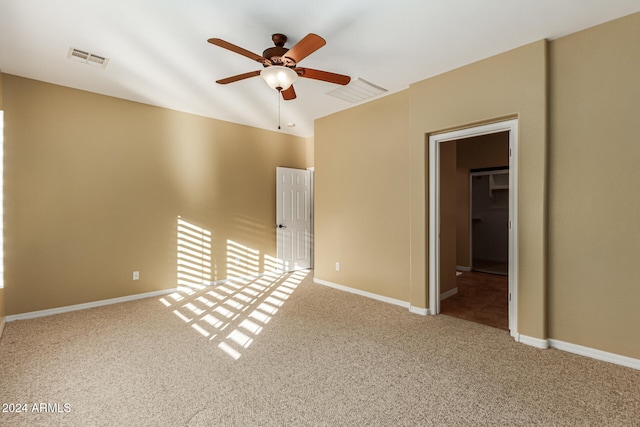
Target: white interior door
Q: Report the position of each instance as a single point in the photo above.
(294, 201)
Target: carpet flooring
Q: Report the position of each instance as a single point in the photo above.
(282, 351)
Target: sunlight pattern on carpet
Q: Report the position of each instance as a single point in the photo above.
(231, 315)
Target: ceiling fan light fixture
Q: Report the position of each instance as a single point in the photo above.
(278, 77)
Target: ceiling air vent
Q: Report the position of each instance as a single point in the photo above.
(87, 58)
(356, 91)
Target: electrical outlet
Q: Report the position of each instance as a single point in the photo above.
(136, 275)
(337, 266)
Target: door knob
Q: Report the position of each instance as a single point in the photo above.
(282, 226)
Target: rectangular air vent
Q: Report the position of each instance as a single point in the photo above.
(356, 91)
(76, 53)
(87, 58)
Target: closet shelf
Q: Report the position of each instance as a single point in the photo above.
(498, 181)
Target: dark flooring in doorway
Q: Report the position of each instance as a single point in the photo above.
(481, 298)
(493, 267)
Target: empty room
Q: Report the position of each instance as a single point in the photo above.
(284, 213)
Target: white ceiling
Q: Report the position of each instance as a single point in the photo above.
(159, 53)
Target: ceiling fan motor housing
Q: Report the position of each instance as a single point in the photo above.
(277, 53)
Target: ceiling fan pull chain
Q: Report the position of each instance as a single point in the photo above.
(278, 92)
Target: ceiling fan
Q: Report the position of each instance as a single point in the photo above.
(281, 64)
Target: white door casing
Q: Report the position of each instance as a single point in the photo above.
(510, 126)
(294, 198)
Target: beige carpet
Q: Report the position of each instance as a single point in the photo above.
(276, 352)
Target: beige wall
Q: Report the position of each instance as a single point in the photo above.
(578, 236)
(2, 305)
(485, 151)
(512, 84)
(594, 233)
(448, 215)
(94, 186)
(362, 197)
(309, 151)
(381, 146)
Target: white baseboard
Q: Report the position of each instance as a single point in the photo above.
(461, 268)
(449, 293)
(361, 293)
(405, 304)
(420, 311)
(596, 354)
(59, 310)
(534, 342)
(592, 353)
(51, 312)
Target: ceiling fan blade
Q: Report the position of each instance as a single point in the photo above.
(305, 47)
(238, 77)
(325, 76)
(289, 94)
(238, 49)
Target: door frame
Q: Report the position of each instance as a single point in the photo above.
(312, 171)
(510, 126)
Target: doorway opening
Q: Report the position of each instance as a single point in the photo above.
(488, 210)
(473, 224)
